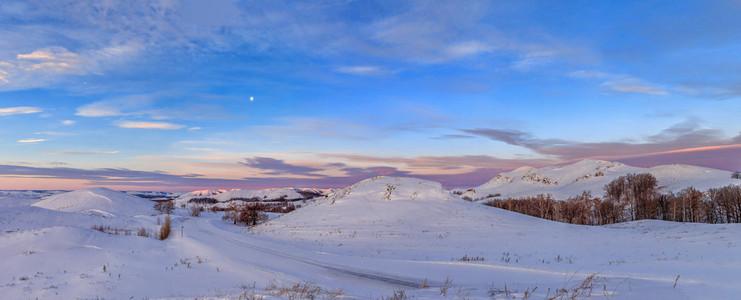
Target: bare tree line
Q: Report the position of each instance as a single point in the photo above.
(633, 197)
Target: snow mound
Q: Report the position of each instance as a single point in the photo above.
(97, 201)
(592, 175)
(378, 200)
(382, 188)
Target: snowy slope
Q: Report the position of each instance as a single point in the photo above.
(402, 212)
(226, 195)
(414, 226)
(377, 199)
(99, 200)
(368, 240)
(592, 175)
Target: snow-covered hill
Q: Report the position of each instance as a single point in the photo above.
(401, 212)
(368, 240)
(377, 200)
(592, 175)
(226, 195)
(99, 200)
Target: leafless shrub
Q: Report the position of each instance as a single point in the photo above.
(195, 210)
(529, 293)
(165, 228)
(583, 289)
(472, 258)
(675, 282)
(100, 228)
(398, 295)
(109, 230)
(142, 232)
(300, 290)
(446, 285)
(164, 207)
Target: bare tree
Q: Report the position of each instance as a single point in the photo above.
(164, 207)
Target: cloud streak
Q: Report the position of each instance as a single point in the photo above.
(277, 166)
(621, 83)
(364, 70)
(19, 110)
(67, 152)
(149, 125)
(634, 86)
(31, 141)
(685, 135)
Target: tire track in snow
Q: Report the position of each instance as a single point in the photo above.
(341, 270)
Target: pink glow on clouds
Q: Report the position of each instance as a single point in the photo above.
(717, 157)
(725, 157)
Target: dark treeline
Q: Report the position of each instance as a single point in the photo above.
(633, 197)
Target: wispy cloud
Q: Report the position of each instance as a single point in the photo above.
(67, 152)
(43, 67)
(437, 163)
(53, 59)
(364, 70)
(157, 105)
(688, 134)
(31, 141)
(149, 125)
(49, 66)
(278, 167)
(120, 106)
(621, 83)
(55, 133)
(635, 86)
(7, 111)
(452, 136)
(68, 122)
(115, 177)
(305, 126)
(468, 48)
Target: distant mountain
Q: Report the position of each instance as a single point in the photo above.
(592, 175)
(255, 195)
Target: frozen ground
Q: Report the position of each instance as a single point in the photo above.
(365, 242)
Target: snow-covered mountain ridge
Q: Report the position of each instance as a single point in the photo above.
(222, 195)
(592, 175)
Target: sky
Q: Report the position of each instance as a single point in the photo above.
(185, 95)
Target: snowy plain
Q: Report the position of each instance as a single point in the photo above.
(367, 241)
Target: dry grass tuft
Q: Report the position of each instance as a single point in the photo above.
(165, 228)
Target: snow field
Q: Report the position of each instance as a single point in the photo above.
(380, 236)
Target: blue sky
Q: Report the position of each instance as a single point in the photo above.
(181, 95)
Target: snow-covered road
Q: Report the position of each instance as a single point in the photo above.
(241, 251)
